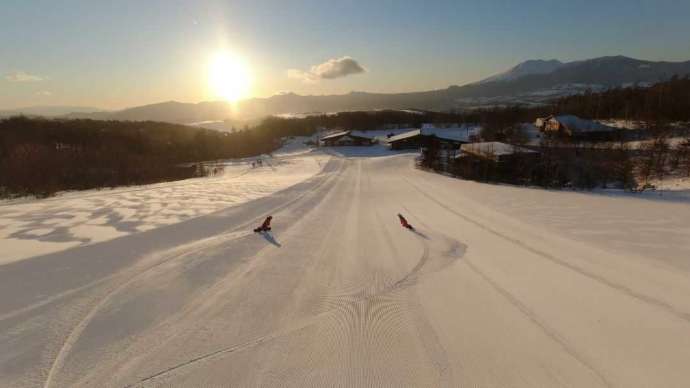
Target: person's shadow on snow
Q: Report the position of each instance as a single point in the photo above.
(269, 237)
(420, 234)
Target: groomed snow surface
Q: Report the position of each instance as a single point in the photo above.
(497, 286)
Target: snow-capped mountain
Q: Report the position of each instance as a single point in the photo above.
(537, 81)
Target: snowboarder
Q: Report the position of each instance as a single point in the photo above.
(266, 226)
(404, 222)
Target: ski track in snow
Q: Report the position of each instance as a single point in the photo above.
(626, 290)
(407, 281)
(131, 277)
(339, 294)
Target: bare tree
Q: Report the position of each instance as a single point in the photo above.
(654, 155)
(681, 157)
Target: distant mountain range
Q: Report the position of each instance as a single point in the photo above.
(52, 110)
(531, 82)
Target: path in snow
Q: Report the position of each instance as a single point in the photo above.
(484, 293)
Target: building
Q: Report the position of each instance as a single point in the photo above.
(346, 138)
(575, 127)
(541, 122)
(408, 140)
(496, 151)
(448, 138)
(495, 161)
(395, 126)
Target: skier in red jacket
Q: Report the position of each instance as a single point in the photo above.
(404, 222)
(266, 226)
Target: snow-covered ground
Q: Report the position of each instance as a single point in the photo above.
(622, 124)
(497, 286)
(296, 145)
(34, 227)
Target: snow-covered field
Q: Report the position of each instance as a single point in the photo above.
(498, 286)
(30, 228)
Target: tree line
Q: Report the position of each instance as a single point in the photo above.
(556, 164)
(41, 156)
(667, 101)
(563, 162)
(655, 106)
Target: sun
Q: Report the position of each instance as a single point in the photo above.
(229, 77)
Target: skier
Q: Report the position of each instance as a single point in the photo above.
(266, 226)
(404, 222)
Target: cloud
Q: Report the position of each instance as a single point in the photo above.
(21, 76)
(331, 69)
(44, 93)
(336, 68)
(299, 74)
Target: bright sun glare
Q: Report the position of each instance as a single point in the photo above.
(229, 77)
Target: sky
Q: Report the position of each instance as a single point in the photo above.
(118, 54)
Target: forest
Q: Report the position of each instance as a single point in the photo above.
(41, 156)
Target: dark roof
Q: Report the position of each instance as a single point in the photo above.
(455, 135)
(338, 135)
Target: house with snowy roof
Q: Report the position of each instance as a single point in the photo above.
(448, 138)
(346, 138)
(575, 127)
(496, 151)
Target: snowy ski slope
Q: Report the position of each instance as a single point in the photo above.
(497, 287)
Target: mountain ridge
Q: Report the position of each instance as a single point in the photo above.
(530, 82)
(532, 66)
(48, 110)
